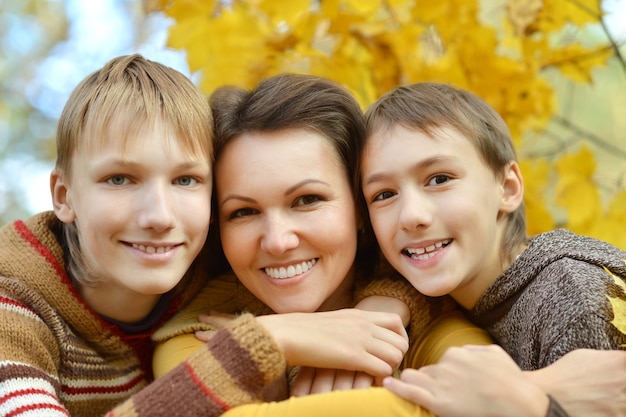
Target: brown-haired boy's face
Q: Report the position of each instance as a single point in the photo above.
(434, 205)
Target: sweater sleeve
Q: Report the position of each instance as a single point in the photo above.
(29, 358)
(370, 402)
(230, 370)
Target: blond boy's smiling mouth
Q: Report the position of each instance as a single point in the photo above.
(152, 249)
(290, 271)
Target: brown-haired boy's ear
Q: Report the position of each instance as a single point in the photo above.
(61, 201)
(512, 188)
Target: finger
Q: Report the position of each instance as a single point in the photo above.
(204, 335)
(218, 321)
(344, 380)
(303, 382)
(390, 321)
(415, 376)
(390, 351)
(417, 394)
(363, 380)
(323, 381)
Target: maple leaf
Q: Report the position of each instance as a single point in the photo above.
(618, 303)
(522, 13)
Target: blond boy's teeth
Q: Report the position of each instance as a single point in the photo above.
(426, 252)
(152, 249)
(291, 270)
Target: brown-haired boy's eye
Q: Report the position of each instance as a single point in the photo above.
(438, 179)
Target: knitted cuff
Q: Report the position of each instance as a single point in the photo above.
(259, 343)
(555, 409)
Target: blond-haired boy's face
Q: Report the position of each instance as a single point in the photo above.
(435, 207)
(142, 210)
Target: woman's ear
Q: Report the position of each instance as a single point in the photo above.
(512, 188)
(61, 200)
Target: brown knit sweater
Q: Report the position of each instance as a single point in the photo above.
(554, 299)
(59, 358)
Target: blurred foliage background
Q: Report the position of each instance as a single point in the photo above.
(554, 69)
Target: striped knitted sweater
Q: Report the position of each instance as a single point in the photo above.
(59, 358)
(554, 299)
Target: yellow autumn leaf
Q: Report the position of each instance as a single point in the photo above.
(361, 7)
(578, 62)
(431, 12)
(556, 14)
(522, 13)
(181, 10)
(617, 208)
(580, 198)
(536, 174)
(618, 304)
(330, 8)
(239, 55)
(581, 164)
(576, 191)
(285, 12)
(610, 229)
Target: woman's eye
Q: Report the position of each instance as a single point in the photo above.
(383, 195)
(117, 180)
(244, 212)
(307, 200)
(438, 179)
(186, 181)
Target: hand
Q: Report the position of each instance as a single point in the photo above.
(318, 380)
(472, 381)
(349, 339)
(587, 382)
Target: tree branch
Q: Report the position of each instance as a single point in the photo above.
(590, 136)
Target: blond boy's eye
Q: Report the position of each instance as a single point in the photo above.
(185, 181)
(117, 180)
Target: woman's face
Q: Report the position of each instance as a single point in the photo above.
(287, 219)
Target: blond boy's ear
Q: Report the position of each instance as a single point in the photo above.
(512, 188)
(61, 201)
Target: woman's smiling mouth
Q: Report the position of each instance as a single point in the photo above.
(291, 270)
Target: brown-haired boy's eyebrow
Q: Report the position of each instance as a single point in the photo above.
(423, 164)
